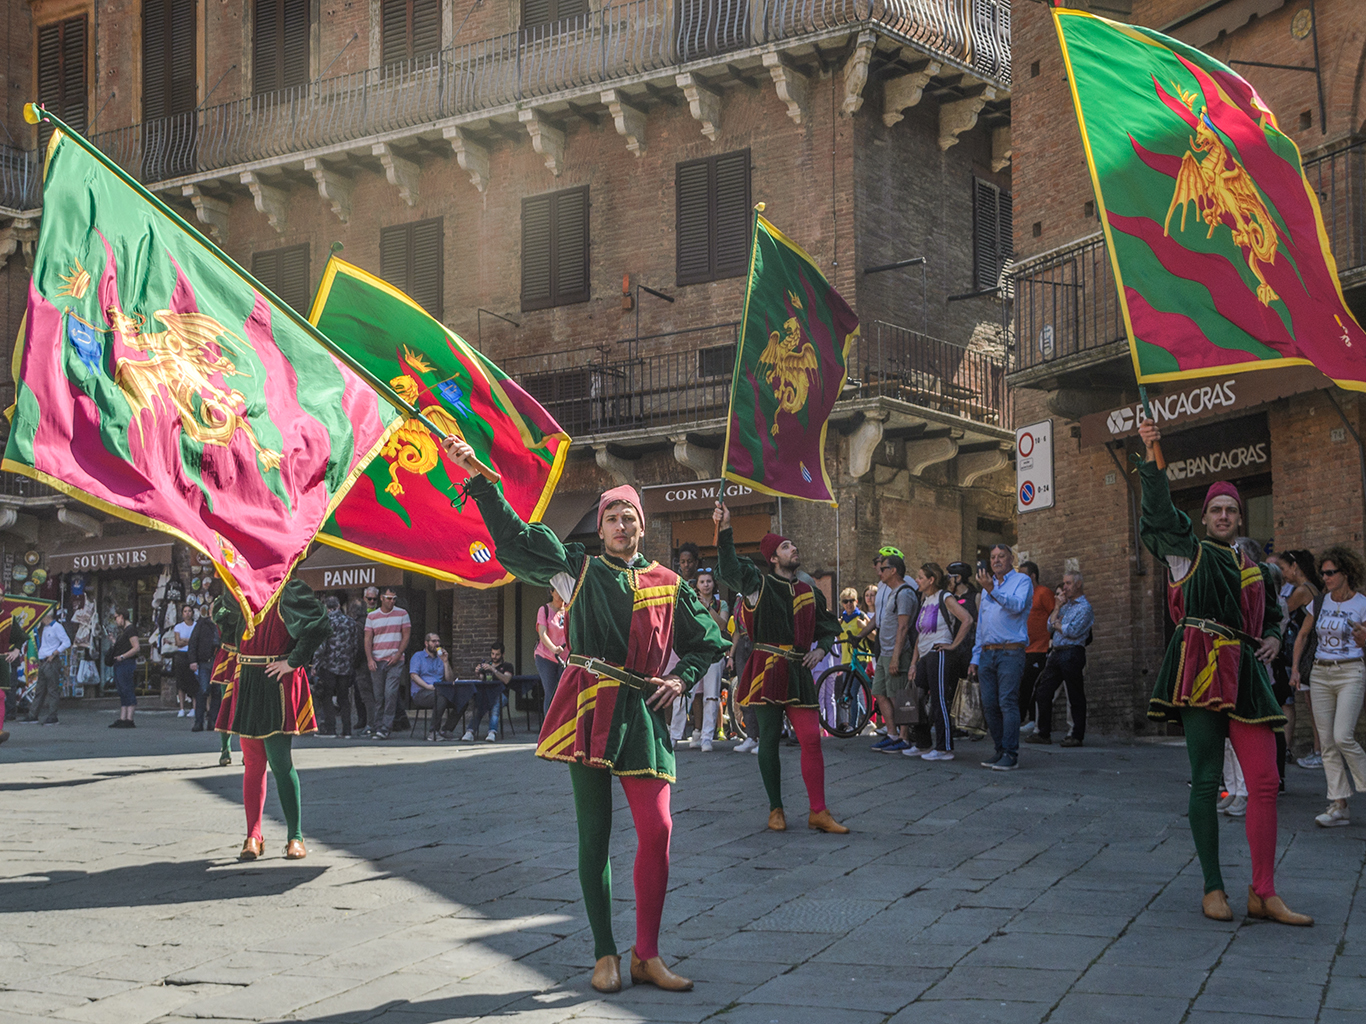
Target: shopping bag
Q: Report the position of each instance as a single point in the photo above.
(906, 706)
(967, 707)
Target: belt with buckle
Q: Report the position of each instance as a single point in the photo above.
(606, 670)
(258, 659)
(781, 652)
(1335, 661)
(228, 647)
(1003, 647)
(1216, 628)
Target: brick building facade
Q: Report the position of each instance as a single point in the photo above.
(1289, 440)
(874, 135)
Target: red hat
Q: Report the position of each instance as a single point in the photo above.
(768, 547)
(624, 493)
(1222, 488)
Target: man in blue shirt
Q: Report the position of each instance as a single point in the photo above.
(998, 657)
(426, 668)
(1070, 625)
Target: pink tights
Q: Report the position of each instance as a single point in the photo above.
(806, 724)
(1255, 746)
(649, 800)
(253, 784)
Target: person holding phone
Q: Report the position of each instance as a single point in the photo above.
(998, 657)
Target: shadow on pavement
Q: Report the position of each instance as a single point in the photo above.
(153, 884)
(475, 1005)
(19, 787)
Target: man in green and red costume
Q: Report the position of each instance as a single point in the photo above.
(625, 617)
(792, 631)
(1213, 678)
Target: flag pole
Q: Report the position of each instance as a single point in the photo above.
(33, 114)
(1158, 457)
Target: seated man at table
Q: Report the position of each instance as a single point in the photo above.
(430, 666)
(489, 697)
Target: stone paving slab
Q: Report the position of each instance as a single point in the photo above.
(441, 886)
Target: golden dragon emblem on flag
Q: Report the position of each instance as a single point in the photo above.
(178, 376)
(411, 447)
(1222, 191)
(794, 363)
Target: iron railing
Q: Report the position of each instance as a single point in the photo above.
(1339, 178)
(1065, 304)
(18, 178)
(15, 488)
(612, 43)
(590, 393)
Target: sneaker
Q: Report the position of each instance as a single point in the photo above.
(896, 748)
(746, 745)
(881, 730)
(705, 746)
(1334, 817)
(492, 737)
(1036, 738)
(937, 755)
(180, 713)
(883, 743)
(1070, 741)
(1224, 801)
(995, 758)
(1237, 809)
(1006, 764)
(49, 721)
(1311, 760)
(1028, 727)
(468, 737)
(381, 735)
(915, 750)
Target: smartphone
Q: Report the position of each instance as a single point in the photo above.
(983, 567)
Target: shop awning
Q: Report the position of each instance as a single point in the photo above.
(96, 554)
(334, 569)
(567, 510)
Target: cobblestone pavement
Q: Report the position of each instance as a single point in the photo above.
(441, 886)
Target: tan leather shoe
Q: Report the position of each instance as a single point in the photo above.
(653, 972)
(821, 821)
(777, 820)
(1274, 909)
(1215, 906)
(251, 849)
(607, 974)
(294, 850)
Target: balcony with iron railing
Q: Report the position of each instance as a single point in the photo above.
(643, 41)
(594, 394)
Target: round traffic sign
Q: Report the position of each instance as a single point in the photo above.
(1025, 446)
(1026, 492)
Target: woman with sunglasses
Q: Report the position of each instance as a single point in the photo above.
(1338, 681)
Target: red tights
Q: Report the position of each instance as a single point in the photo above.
(806, 724)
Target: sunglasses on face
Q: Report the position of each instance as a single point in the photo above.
(1331, 572)
(849, 600)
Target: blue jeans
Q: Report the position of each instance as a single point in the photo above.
(123, 682)
(1000, 673)
(201, 698)
(489, 699)
(550, 672)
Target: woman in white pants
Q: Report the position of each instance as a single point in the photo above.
(1338, 681)
(711, 682)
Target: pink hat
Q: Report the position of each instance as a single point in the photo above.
(624, 493)
(1222, 488)
(768, 547)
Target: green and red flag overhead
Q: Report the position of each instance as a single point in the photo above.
(1217, 241)
(159, 382)
(789, 370)
(407, 511)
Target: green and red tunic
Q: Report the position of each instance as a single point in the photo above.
(633, 617)
(258, 706)
(776, 612)
(1213, 666)
(229, 622)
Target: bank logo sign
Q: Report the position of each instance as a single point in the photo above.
(1034, 467)
(1197, 401)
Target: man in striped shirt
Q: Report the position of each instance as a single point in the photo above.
(386, 639)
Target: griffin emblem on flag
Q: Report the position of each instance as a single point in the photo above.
(794, 363)
(411, 447)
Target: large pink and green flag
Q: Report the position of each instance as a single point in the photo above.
(1216, 238)
(789, 371)
(408, 509)
(158, 381)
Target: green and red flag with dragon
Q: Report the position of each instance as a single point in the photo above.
(789, 371)
(159, 382)
(1216, 238)
(408, 510)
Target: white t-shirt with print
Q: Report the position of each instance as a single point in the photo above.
(1334, 625)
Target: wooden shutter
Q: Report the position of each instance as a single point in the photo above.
(555, 245)
(546, 12)
(411, 259)
(154, 59)
(410, 28)
(986, 237)
(280, 46)
(425, 38)
(61, 73)
(536, 253)
(285, 272)
(714, 217)
(168, 58)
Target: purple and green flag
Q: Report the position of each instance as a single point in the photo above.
(789, 371)
(158, 381)
(408, 509)
(1216, 238)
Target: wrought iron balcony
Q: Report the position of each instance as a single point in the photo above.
(623, 41)
(1339, 178)
(18, 179)
(592, 394)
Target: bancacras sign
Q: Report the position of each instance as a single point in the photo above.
(1229, 450)
(1206, 398)
(1252, 458)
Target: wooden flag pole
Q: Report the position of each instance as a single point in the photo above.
(1158, 457)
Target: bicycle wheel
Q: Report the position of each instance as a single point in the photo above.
(844, 700)
(735, 719)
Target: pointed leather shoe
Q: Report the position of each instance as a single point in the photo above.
(607, 974)
(251, 849)
(1215, 906)
(821, 821)
(294, 850)
(777, 820)
(653, 972)
(1275, 910)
